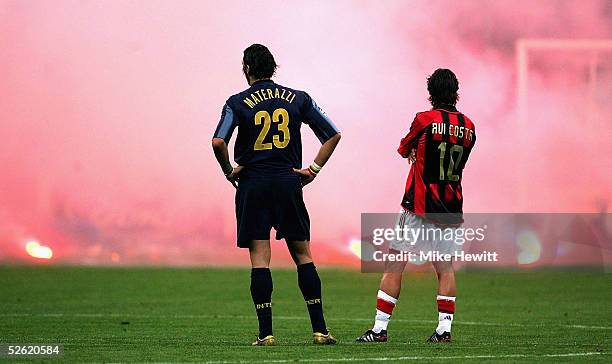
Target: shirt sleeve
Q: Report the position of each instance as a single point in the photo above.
(409, 142)
(227, 124)
(316, 119)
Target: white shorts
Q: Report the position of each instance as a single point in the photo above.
(424, 238)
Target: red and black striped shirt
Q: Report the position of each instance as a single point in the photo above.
(442, 139)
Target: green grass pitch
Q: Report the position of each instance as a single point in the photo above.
(206, 315)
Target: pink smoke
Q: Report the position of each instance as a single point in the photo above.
(107, 109)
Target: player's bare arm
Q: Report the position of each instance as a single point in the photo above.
(222, 154)
(327, 149)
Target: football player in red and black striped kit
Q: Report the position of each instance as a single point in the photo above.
(438, 146)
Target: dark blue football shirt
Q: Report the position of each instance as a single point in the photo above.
(269, 117)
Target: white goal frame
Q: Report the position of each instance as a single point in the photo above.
(523, 47)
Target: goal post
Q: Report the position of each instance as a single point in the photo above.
(524, 45)
(594, 48)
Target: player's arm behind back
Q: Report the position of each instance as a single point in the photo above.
(327, 133)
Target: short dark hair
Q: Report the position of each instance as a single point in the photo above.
(260, 61)
(443, 86)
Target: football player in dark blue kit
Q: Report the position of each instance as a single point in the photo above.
(269, 180)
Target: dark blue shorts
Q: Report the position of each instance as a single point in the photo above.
(266, 202)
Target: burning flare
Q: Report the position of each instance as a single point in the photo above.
(36, 250)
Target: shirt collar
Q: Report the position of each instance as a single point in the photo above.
(262, 81)
(446, 107)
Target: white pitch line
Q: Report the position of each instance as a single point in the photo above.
(589, 327)
(404, 358)
(412, 358)
(207, 317)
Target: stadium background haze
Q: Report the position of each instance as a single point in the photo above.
(107, 110)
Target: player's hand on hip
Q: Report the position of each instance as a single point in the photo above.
(306, 175)
(234, 175)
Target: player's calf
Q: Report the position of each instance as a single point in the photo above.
(384, 308)
(310, 285)
(261, 292)
(446, 311)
